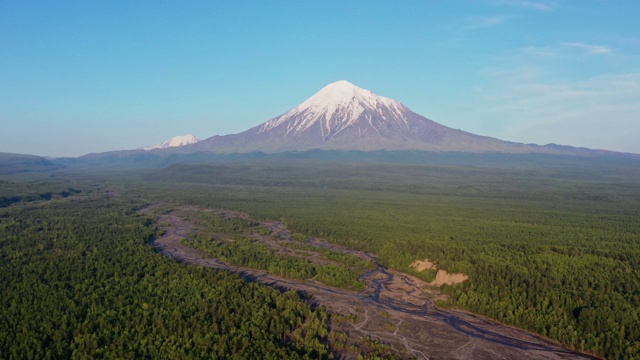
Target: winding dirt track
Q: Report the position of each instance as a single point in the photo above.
(395, 308)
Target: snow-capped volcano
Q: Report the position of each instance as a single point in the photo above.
(342, 116)
(175, 142)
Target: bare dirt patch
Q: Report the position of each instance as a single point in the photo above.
(443, 277)
(422, 265)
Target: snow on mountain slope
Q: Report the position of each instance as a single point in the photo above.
(335, 107)
(175, 142)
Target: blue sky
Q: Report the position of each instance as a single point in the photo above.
(92, 76)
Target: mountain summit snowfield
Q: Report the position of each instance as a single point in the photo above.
(175, 142)
(336, 107)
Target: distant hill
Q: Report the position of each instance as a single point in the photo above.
(18, 163)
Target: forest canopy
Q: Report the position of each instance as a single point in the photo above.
(81, 281)
(554, 249)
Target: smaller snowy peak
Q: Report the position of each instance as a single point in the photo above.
(175, 142)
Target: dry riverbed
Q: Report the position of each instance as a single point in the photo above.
(395, 309)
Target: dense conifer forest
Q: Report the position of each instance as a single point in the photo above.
(79, 280)
(551, 249)
(554, 249)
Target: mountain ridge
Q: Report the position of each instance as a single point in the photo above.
(11, 163)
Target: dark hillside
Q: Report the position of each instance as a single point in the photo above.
(17, 163)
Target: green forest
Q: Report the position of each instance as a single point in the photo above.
(551, 248)
(555, 250)
(80, 281)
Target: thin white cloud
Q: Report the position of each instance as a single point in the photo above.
(591, 49)
(537, 51)
(482, 22)
(597, 112)
(539, 5)
(519, 74)
(562, 50)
